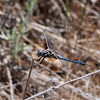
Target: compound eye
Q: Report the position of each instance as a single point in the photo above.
(38, 52)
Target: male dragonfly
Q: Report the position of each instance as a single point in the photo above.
(48, 53)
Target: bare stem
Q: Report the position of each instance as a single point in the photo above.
(10, 83)
(28, 79)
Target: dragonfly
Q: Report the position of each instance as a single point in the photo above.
(49, 53)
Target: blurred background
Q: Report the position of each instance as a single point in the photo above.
(72, 28)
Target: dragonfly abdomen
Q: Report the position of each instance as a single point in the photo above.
(62, 58)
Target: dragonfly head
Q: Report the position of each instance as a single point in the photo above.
(39, 52)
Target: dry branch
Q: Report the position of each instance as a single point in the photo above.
(58, 86)
(11, 84)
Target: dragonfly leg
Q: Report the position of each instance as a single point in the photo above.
(42, 60)
(38, 59)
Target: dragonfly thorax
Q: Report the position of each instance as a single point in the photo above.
(46, 53)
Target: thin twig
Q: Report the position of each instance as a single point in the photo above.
(58, 86)
(10, 83)
(28, 79)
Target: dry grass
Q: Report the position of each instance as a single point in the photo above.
(73, 30)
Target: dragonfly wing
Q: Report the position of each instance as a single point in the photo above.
(52, 44)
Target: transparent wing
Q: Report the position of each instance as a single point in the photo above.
(52, 43)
